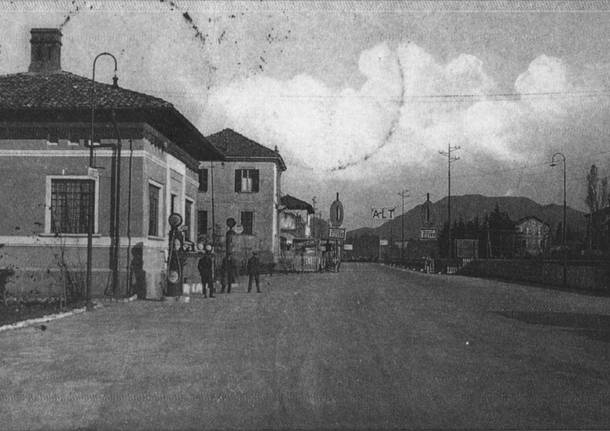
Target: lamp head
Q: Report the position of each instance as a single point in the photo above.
(553, 164)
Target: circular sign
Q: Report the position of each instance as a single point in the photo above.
(239, 229)
(175, 220)
(173, 276)
(231, 222)
(336, 213)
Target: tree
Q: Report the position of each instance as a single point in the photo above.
(604, 199)
(592, 199)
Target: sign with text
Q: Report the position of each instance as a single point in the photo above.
(427, 233)
(348, 246)
(336, 233)
(382, 213)
(383, 242)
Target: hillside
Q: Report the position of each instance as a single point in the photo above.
(468, 207)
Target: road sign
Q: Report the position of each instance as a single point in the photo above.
(383, 242)
(336, 233)
(336, 213)
(383, 213)
(427, 233)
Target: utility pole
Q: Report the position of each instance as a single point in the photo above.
(450, 159)
(563, 226)
(403, 194)
(313, 224)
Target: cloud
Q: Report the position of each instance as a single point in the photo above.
(410, 106)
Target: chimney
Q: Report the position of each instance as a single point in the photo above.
(46, 50)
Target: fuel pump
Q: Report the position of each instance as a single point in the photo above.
(175, 256)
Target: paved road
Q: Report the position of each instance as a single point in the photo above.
(370, 347)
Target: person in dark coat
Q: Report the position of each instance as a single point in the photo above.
(228, 272)
(254, 272)
(206, 270)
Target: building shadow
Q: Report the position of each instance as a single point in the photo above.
(593, 326)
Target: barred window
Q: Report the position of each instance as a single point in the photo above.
(70, 205)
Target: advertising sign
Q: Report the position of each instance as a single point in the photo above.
(427, 233)
(336, 233)
(382, 213)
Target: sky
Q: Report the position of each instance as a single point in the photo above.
(360, 97)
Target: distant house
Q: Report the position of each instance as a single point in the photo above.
(45, 127)
(246, 187)
(295, 220)
(532, 236)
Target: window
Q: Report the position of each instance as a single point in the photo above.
(247, 222)
(202, 223)
(203, 180)
(246, 180)
(153, 209)
(70, 205)
(188, 212)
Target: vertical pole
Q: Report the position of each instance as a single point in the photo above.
(91, 206)
(117, 206)
(402, 230)
(449, 160)
(565, 250)
(213, 208)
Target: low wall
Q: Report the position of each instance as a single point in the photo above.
(578, 275)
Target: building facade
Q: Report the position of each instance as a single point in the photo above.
(245, 187)
(296, 218)
(532, 237)
(45, 128)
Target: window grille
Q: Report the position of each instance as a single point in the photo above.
(70, 205)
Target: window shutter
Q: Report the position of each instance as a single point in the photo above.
(237, 180)
(255, 180)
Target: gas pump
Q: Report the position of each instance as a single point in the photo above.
(175, 256)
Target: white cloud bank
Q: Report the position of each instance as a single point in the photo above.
(405, 111)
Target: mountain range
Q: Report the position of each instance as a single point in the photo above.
(467, 207)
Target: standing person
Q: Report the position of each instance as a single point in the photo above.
(228, 273)
(254, 272)
(206, 270)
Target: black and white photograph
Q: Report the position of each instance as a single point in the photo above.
(304, 215)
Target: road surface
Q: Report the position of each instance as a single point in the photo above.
(370, 347)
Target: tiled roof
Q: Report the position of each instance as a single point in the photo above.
(65, 90)
(48, 95)
(235, 146)
(292, 203)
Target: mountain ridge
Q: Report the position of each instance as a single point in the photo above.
(467, 207)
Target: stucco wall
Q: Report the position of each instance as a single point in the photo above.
(27, 244)
(228, 203)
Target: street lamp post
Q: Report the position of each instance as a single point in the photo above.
(91, 206)
(563, 226)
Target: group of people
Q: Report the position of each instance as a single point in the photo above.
(227, 272)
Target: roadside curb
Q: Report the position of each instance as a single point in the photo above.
(47, 318)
